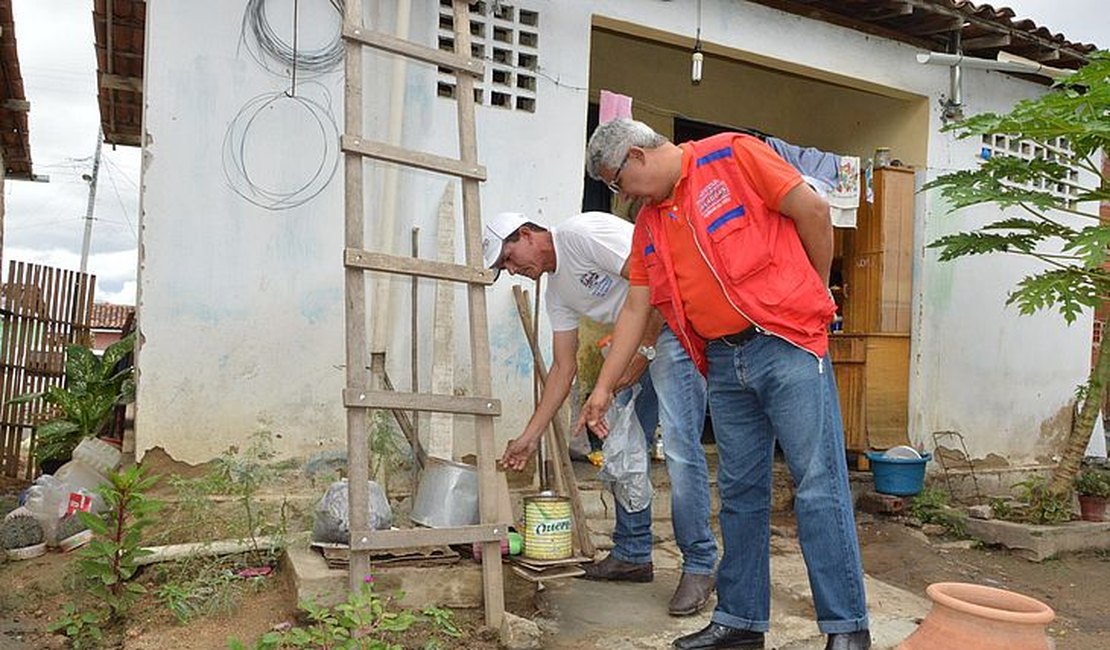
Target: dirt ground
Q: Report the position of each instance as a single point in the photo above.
(1076, 586)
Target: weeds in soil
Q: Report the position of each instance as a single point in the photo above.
(242, 476)
(1040, 505)
(200, 585)
(83, 627)
(931, 506)
(365, 621)
(204, 588)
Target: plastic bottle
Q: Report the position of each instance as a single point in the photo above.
(93, 460)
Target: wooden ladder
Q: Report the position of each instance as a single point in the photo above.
(360, 395)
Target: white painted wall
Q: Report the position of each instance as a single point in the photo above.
(242, 309)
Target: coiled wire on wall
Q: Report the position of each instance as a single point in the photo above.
(266, 46)
(235, 169)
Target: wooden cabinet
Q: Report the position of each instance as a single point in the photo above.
(872, 377)
(871, 355)
(877, 260)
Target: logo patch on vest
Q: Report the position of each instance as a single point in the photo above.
(714, 195)
(598, 285)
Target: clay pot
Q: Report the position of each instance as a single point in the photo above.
(984, 618)
(1092, 508)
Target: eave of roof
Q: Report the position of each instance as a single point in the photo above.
(15, 143)
(930, 24)
(120, 28)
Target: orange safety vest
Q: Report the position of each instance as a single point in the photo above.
(754, 252)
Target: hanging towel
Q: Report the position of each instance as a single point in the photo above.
(614, 106)
(844, 199)
(834, 177)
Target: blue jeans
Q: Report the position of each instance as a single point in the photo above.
(680, 402)
(762, 390)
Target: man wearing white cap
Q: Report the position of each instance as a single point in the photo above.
(586, 260)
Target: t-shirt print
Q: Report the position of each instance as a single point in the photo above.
(597, 284)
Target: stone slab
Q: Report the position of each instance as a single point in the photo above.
(1039, 543)
(455, 585)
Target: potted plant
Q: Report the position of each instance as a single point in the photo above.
(22, 537)
(94, 386)
(72, 532)
(1093, 488)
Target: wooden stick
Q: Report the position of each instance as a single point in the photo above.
(562, 451)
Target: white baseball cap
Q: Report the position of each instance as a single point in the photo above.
(496, 230)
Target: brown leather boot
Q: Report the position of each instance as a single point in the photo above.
(618, 570)
(692, 594)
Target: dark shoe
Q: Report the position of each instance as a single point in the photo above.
(692, 594)
(618, 570)
(860, 640)
(719, 637)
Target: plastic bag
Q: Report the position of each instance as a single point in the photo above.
(46, 501)
(627, 468)
(331, 523)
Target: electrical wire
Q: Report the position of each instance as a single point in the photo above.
(266, 47)
(238, 176)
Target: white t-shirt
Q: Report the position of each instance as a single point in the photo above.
(590, 250)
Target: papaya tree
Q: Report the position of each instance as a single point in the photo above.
(1069, 242)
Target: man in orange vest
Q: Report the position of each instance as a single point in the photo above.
(734, 249)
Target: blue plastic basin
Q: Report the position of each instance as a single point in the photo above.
(901, 477)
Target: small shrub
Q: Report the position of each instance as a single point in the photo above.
(20, 531)
(109, 560)
(70, 525)
(1040, 505)
(930, 506)
(1093, 483)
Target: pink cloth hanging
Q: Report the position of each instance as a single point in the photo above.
(614, 106)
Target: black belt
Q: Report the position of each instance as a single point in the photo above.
(739, 338)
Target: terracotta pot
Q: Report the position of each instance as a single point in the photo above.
(1092, 508)
(984, 618)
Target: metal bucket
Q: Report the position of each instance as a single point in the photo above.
(547, 528)
(447, 495)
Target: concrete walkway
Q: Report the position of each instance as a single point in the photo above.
(583, 615)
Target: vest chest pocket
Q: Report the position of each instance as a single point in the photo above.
(737, 242)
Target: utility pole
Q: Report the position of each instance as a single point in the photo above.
(92, 200)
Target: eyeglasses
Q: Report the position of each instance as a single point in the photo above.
(614, 185)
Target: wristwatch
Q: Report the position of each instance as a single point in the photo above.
(648, 351)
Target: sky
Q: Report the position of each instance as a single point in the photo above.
(45, 221)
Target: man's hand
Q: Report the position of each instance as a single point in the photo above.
(518, 451)
(593, 413)
(632, 373)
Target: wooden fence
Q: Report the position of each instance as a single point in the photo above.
(44, 309)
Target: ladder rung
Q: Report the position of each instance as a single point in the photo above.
(387, 399)
(394, 45)
(376, 540)
(370, 261)
(419, 159)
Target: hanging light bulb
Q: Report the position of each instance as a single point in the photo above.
(697, 58)
(695, 69)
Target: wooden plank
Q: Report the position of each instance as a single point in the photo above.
(119, 82)
(357, 355)
(490, 481)
(441, 426)
(988, 42)
(376, 540)
(393, 45)
(384, 399)
(887, 385)
(352, 144)
(386, 263)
